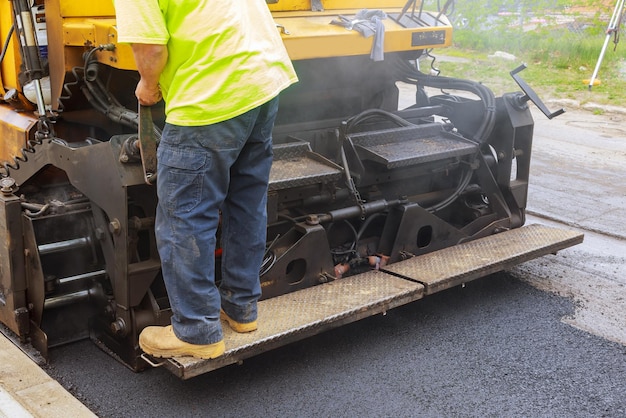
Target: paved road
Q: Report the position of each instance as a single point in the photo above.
(577, 178)
(497, 347)
(545, 339)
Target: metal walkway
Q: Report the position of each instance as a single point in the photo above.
(294, 316)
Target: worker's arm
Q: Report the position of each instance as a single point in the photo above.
(150, 60)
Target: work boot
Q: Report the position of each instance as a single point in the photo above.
(238, 326)
(163, 343)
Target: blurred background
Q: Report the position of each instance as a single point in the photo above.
(560, 41)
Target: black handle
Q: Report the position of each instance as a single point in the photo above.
(529, 94)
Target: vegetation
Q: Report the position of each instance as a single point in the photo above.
(560, 42)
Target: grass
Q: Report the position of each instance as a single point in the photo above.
(559, 63)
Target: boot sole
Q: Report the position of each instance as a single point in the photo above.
(183, 352)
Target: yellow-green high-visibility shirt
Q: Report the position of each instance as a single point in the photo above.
(225, 57)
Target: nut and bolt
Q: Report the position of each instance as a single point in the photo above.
(7, 186)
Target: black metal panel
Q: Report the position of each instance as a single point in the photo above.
(402, 147)
(436, 37)
(12, 276)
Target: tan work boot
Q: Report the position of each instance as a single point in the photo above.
(238, 326)
(163, 343)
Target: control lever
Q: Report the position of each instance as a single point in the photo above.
(147, 144)
(529, 94)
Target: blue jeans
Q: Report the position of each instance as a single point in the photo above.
(203, 170)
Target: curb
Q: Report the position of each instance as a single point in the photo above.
(26, 391)
(591, 107)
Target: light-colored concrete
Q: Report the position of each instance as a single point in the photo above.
(27, 391)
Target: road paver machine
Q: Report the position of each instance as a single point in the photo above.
(389, 183)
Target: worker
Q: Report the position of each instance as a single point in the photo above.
(219, 66)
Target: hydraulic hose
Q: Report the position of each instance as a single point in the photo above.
(5, 47)
(99, 97)
(409, 74)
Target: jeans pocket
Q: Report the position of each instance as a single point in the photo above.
(181, 173)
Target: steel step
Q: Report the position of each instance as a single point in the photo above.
(294, 316)
(295, 165)
(462, 263)
(409, 146)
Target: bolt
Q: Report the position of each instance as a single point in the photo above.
(118, 327)
(7, 186)
(115, 227)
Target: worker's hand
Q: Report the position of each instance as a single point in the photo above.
(148, 94)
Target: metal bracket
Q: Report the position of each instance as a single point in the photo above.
(283, 29)
(316, 6)
(148, 360)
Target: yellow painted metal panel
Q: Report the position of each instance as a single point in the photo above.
(78, 33)
(82, 8)
(103, 8)
(122, 56)
(88, 32)
(14, 132)
(292, 5)
(314, 37)
(96, 32)
(308, 36)
(11, 63)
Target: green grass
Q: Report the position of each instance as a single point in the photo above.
(550, 79)
(559, 61)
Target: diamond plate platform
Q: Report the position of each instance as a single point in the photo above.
(304, 313)
(462, 263)
(295, 165)
(407, 146)
(295, 316)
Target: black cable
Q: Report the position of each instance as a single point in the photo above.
(375, 113)
(465, 179)
(366, 224)
(410, 75)
(268, 262)
(353, 244)
(5, 47)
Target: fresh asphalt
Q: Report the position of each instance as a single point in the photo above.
(496, 347)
